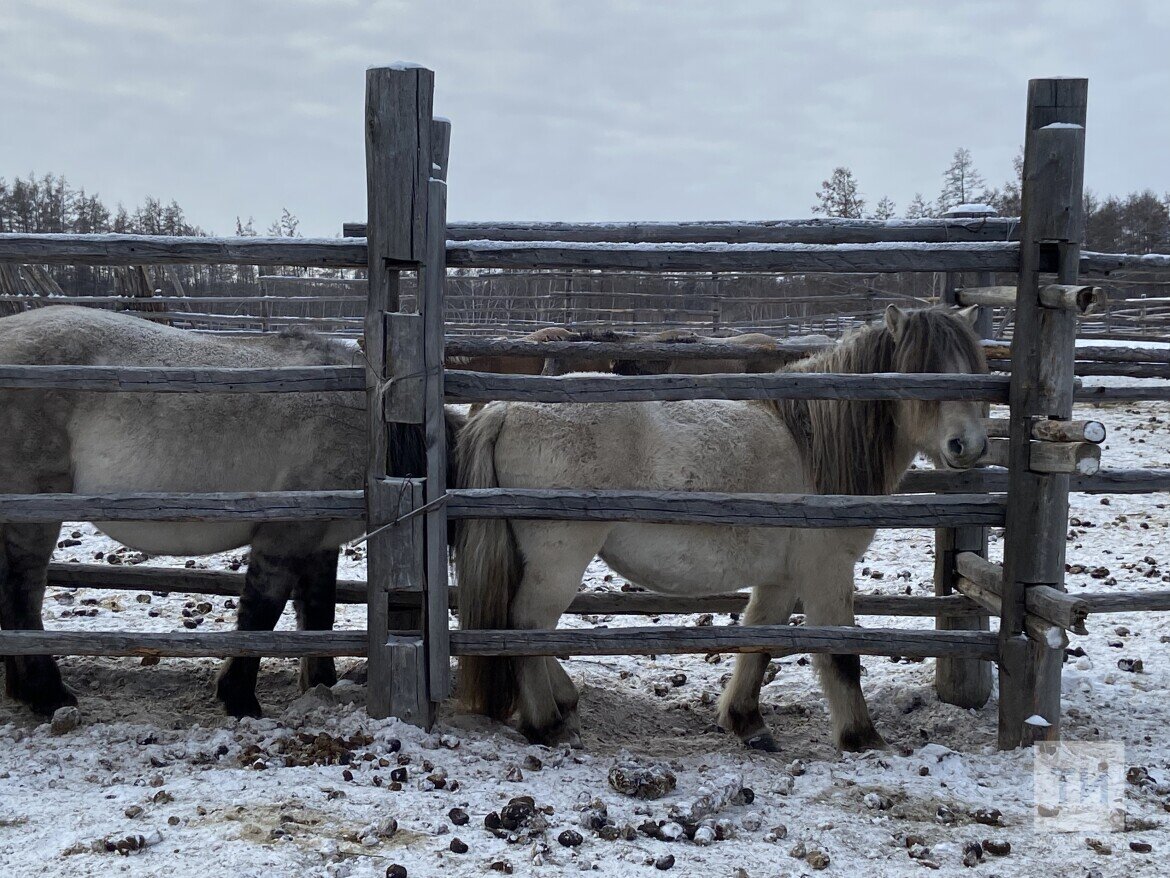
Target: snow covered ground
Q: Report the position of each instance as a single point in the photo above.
(310, 789)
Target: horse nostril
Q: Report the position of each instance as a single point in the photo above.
(955, 447)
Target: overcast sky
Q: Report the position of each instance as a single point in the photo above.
(575, 110)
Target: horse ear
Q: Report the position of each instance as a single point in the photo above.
(970, 313)
(895, 321)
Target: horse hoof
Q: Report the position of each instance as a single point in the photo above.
(242, 707)
(764, 742)
(238, 704)
(551, 736)
(47, 705)
(860, 740)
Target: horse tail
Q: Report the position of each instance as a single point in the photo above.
(408, 448)
(489, 567)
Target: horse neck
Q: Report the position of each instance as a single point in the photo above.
(850, 446)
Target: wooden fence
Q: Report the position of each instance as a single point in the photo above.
(408, 641)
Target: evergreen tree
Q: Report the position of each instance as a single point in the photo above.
(962, 183)
(286, 226)
(885, 209)
(245, 230)
(1007, 200)
(917, 208)
(839, 196)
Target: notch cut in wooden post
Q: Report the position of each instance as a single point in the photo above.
(1080, 458)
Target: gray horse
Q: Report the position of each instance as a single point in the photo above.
(68, 441)
(523, 574)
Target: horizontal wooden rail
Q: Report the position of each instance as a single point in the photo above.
(182, 300)
(162, 249)
(261, 506)
(1130, 393)
(743, 510)
(176, 379)
(893, 257)
(1134, 481)
(800, 231)
(708, 349)
(611, 641)
(660, 640)
(947, 238)
(185, 644)
(486, 386)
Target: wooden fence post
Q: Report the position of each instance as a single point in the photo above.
(965, 682)
(398, 166)
(431, 295)
(1043, 351)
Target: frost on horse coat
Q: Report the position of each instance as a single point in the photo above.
(524, 574)
(86, 442)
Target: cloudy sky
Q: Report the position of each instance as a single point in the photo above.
(573, 110)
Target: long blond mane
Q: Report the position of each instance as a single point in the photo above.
(851, 447)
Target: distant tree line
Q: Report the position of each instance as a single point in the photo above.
(1135, 223)
(50, 204)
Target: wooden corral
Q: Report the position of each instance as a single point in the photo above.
(992, 261)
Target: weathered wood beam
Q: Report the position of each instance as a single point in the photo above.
(747, 638)
(1052, 227)
(487, 386)
(1051, 430)
(242, 506)
(185, 644)
(1083, 300)
(800, 231)
(1039, 630)
(1134, 393)
(103, 249)
(1056, 607)
(177, 379)
(1083, 458)
(742, 510)
(981, 256)
(634, 349)
(657, 640)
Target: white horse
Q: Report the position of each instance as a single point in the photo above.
(181, 442)
(524, 574)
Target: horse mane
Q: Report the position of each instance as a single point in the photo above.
(851, 446)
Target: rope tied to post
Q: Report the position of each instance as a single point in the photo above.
(429, 506)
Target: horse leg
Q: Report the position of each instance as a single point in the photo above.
(555, 557)
(268, 583)
(25, 550)
(739, 706)
(830, 602)
(315, 600)
(567, 697)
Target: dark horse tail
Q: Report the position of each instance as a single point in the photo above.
(408, 453)
(489, 568)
